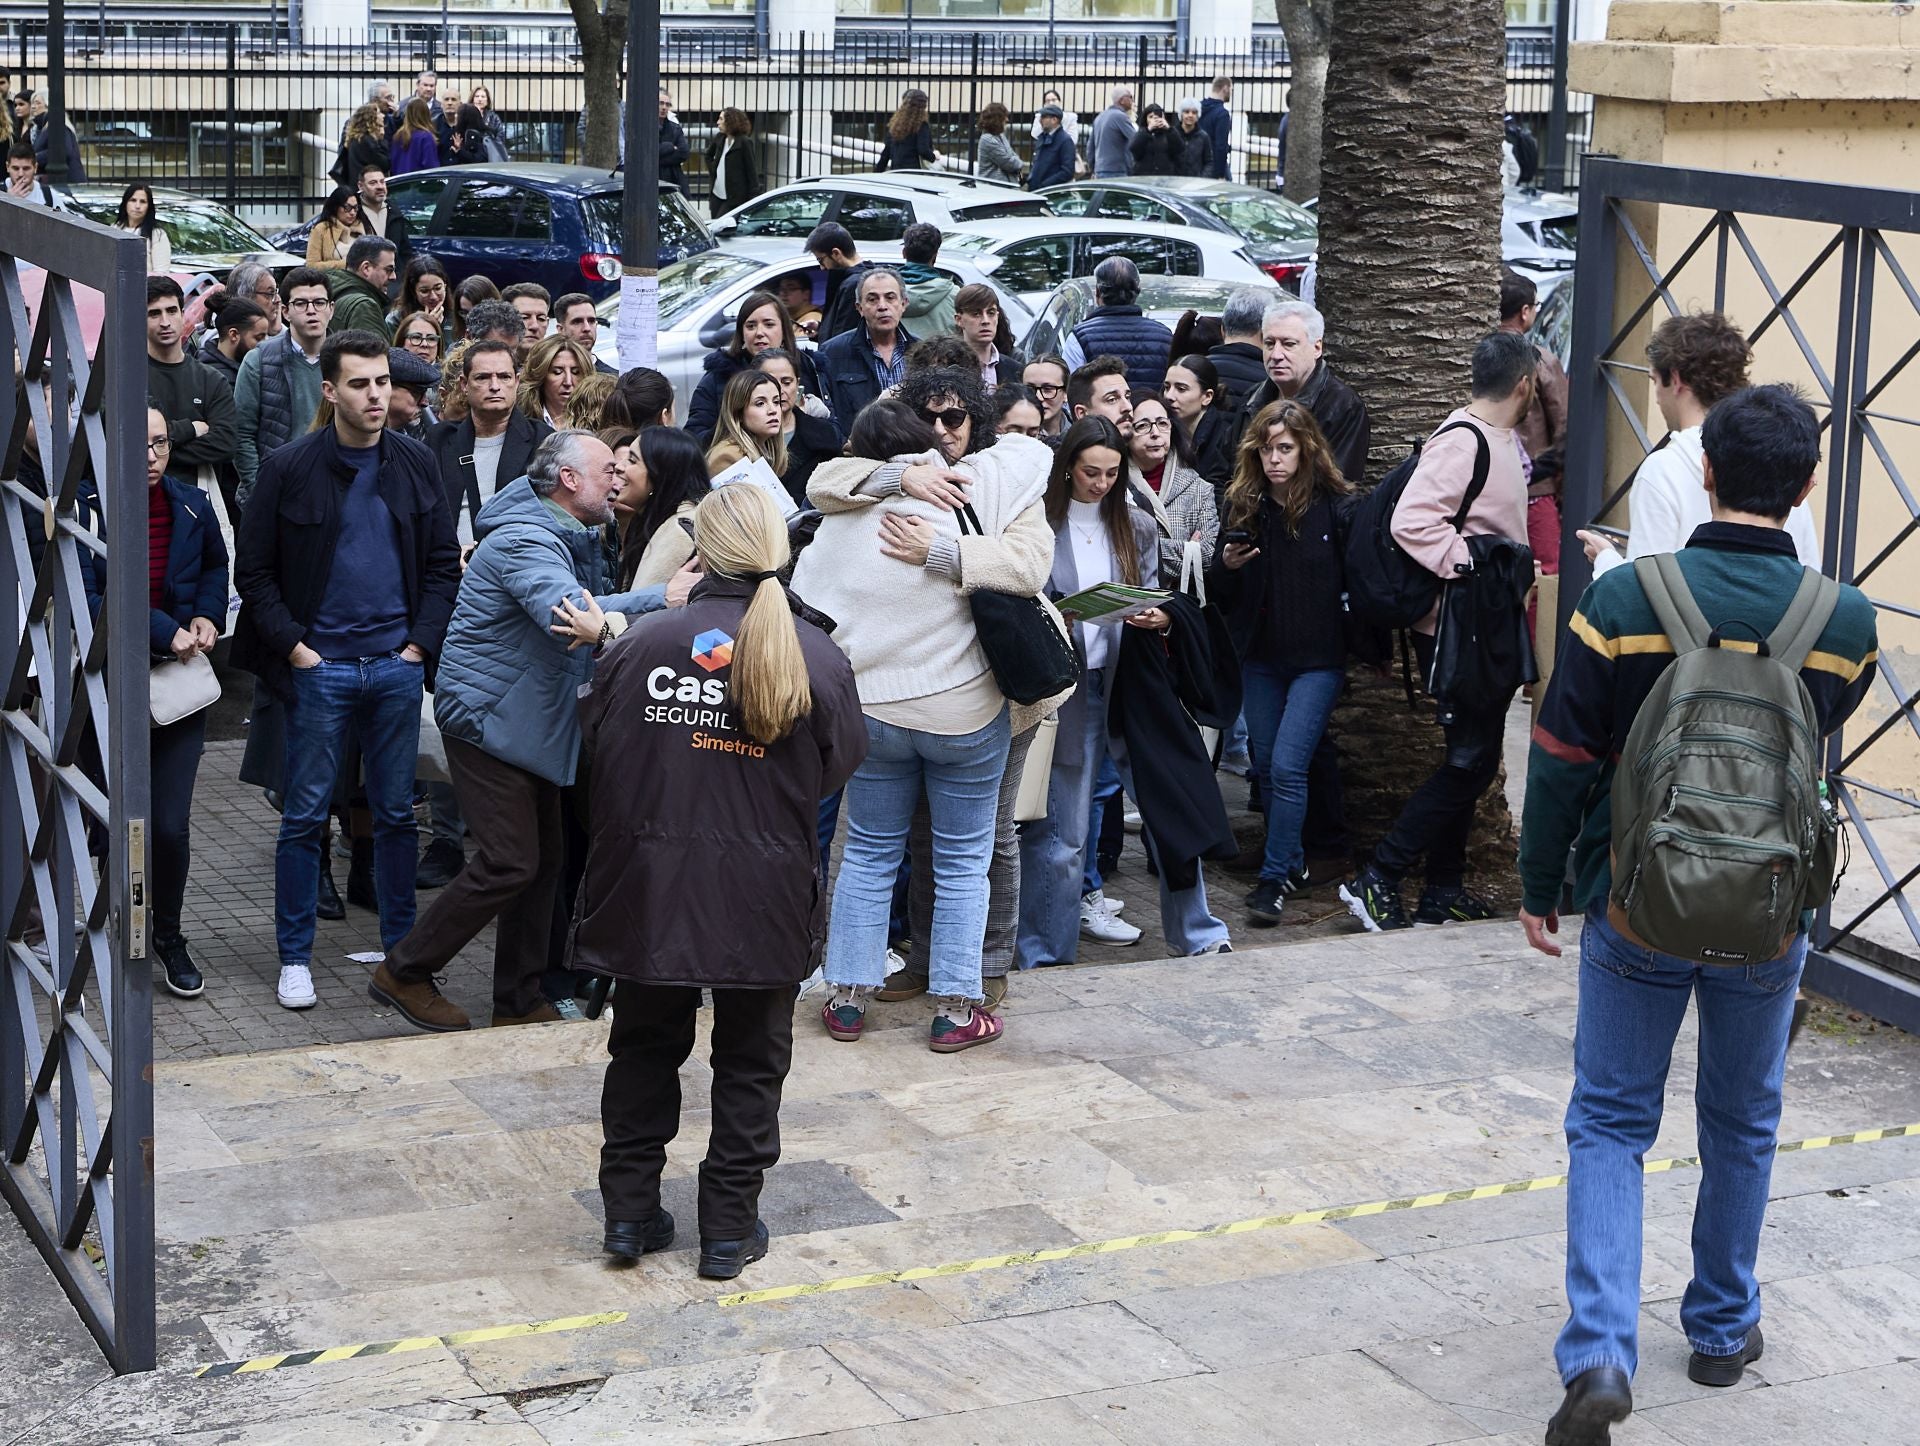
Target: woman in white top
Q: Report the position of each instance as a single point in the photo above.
(891, 574)
(731, 164)
(137, 214)
(1100, 537)
(1069, 120)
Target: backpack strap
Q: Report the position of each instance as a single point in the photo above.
(1482, 468)
(1665, 586)
(966, 515)
(1805, 619)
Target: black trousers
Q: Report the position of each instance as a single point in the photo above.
(1437, 818)
(175, 754)
(640, 1103)
(513, 819)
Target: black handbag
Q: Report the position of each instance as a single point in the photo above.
(1481, 651)
(1029, 657)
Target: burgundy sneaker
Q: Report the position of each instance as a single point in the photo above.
(959, 1023)
(845, 1012)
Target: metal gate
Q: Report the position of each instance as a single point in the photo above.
(76, 1004)
(1814, 274)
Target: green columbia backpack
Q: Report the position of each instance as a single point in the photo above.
(1720, 838)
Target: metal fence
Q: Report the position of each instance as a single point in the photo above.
(1815, 276)
(76, 994)
(241, 113)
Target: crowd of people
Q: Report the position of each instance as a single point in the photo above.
(1194, 138)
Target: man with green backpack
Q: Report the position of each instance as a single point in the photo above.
(1678, 759)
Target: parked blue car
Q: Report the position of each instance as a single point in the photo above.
(555, 225)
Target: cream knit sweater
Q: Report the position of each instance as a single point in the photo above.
(908, 630)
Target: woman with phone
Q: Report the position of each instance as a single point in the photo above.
(1280, 580)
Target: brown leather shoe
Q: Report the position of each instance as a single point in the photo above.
(421, 1005)
(994, 986)
(543, 1013)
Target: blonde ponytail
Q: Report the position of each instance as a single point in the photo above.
(738, 532)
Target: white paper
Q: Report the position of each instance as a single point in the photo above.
(756, 473)
(368, 958)
(638, 328)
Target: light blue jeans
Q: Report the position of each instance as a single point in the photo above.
(1632, 1002)
(1286, 712)
(1052, 853)
(1106, 790)
(960, 775)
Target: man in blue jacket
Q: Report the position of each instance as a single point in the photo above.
(1217, 121)
(1052, 152)
(858, 365)
(505, 700)
(347, 567)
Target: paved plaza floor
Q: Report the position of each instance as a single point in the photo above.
(411, 1189)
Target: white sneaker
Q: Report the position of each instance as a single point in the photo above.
(1099, 900)
(296, 987)
(1104, 928)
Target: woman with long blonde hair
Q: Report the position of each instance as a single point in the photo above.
(712, 796)
(554, 370)
(750, 425)
(1280, 580)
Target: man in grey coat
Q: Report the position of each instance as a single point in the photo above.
(1113, 134)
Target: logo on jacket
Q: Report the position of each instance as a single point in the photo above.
(713, 650)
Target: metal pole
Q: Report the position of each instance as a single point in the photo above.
(57, 92)
(1555, 178)
(640, 219)
(233, 115)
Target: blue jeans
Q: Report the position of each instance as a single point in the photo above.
(1286, 711)
(1632, 1002)
(960, 775)
(1106, 788)
(379, 698)
(1052, 848)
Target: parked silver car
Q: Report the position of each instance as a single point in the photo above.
(700, 296)
(874, 208)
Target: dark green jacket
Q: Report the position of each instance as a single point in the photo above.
(358, 305)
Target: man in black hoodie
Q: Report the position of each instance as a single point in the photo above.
(196, 399)
(238, 327)
(1238, 359)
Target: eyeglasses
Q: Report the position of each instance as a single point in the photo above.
(266, 293)
(159, 448)
(1160, 424)
(951, 418)
(419, 338)
(310, 303)
(1047, 389)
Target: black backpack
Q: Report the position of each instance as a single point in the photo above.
(1386, 587)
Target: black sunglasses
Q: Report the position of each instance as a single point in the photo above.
(951, 418)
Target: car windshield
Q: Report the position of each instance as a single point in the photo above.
(600, 216)
(1263, 218)
(686, 285)
(193, 229)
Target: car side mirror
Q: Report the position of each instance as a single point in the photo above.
(717, 332)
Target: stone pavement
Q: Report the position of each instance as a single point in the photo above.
(339, 1194)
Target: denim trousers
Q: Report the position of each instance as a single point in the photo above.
(1052, 865)
(379, 700)
(1286, 711)
(960, 776)
(1106, 788)
(1632, 1002)
(1003, 874)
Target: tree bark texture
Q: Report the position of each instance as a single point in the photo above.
(1409, 272)
(1309, 28)
(1409, 280)
(603, 44)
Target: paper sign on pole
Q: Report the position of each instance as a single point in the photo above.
(638, 329)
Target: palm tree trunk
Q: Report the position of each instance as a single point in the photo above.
(1409, 277)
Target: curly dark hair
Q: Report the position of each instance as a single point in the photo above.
(1704, 350)
(922, 389)
(944, 350)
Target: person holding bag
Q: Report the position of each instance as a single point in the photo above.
(937, 720)
(1139, 679)
(998, 565)
(1279, 577)
(187, 591)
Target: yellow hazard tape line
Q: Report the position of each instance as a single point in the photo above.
(997, 1262)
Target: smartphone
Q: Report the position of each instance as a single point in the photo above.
(1612, 534)
(1238, 536)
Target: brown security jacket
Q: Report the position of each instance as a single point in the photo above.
(703, 856)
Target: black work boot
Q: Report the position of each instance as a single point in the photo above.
(360, 890)
(724, 1259)
(631, 1239)
(326, 904)
(1596, 1401)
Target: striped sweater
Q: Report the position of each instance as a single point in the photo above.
(1608, 662)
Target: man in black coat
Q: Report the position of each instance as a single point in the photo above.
(492, 444)
(673, 146)
(1239, 360)
(347, 568)
(832, 248)
(1292, 335)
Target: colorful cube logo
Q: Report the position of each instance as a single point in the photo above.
(713, 650)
